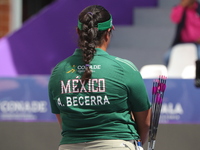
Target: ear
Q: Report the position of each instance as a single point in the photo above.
(109, 30)
(107, 35)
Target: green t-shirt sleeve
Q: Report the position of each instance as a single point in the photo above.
(137, 95)
(51, 91)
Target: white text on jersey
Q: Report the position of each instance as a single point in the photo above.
(71, 86)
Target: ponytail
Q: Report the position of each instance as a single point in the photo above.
(89, 35)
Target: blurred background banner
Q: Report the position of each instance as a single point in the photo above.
(180, 103)
(26, 99)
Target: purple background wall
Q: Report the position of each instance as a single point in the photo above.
(50, 36)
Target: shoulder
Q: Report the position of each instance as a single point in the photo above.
(60, 64)
(59, 67)
(122, 63)
(126, 64)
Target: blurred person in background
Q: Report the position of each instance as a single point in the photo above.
(186, 16)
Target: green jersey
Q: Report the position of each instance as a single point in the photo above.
(100, 108)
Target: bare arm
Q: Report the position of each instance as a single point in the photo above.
(142, 120)
(59, 120)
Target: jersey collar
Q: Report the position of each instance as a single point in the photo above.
(99, 51)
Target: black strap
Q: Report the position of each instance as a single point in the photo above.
(179, 27)
(198, 9)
